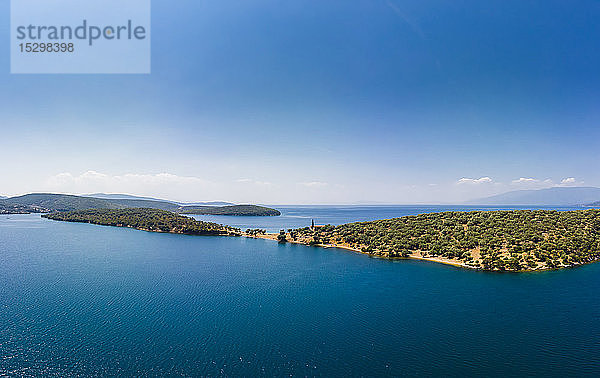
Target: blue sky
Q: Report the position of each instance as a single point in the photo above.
(321, 102)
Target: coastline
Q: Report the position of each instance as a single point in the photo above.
(274, 237)
(438, 260)
(454, 263)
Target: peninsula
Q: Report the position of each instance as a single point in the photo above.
(522, 240)
(153, 220)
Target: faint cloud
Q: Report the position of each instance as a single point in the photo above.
(314, 184)
(162, 185)
(130, 182)
(159, 178)
(482, 180)
(532, 183)
(570, 181)
(61, 177)
(253, 182)
(524, 180)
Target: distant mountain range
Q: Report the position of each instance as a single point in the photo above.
(597, 203)
(42, 202)
(132, 197)
(47, 202)
(558, 196)
(123, 197)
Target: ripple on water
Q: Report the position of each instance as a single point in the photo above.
(98, 301)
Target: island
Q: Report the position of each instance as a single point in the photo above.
(237, 210)
(520, 240)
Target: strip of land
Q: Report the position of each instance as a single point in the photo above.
(522, 240)
(152, 220)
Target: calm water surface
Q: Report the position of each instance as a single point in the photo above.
(301, 216)
(78, 299)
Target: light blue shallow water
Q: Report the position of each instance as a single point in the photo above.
(79, 299)
(301, 216)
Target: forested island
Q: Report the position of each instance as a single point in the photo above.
(521, 240)
(154, 220)
(237, 210)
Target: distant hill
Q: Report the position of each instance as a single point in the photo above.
(561, 196)
(47, 202)
(112, 196)
(597, 203)
(161, 205)
(212, 203)
(63, 202)
(58, 202)
(132, 197)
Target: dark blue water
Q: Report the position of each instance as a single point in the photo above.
(78, 299)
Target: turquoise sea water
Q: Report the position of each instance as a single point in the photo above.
(79, 299)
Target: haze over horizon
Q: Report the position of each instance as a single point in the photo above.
(568, 198)
(280, 103)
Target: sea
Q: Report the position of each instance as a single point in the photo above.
(86, 300)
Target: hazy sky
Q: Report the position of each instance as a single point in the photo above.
(284, 102)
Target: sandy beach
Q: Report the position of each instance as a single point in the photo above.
(413, 256)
